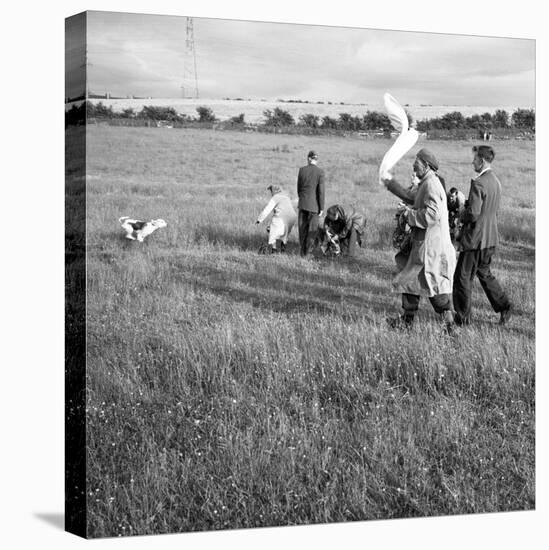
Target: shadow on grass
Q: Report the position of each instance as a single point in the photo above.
(323, 302)
(252, 241)
(277, 286)
(273, 285)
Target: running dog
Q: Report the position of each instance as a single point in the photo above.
(137, 229)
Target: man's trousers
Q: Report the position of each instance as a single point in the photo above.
(308, 229)
(473, 263)
(410, 304)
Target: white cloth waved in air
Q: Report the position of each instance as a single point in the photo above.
(405, 141)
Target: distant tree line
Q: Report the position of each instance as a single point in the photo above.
(307, 101)
(148, 112)
(371, 121)
(277, 118)
(521, 118)
(375, 121)
(77, 114)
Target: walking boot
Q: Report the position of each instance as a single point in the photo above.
(449, 322)
(461, 321)
(401, 322)
(504, 315)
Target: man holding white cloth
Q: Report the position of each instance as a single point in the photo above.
(427, 269)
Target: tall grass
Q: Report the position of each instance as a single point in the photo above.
(228, 389)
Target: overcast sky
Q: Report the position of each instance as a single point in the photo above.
(144, 55)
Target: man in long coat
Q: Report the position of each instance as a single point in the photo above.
(310, 191)
(478, 241)
(428, 268)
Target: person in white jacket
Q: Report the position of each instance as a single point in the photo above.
(284, 218)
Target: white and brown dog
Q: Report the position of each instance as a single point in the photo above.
(137, 229)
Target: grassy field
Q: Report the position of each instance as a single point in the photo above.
(228, 389)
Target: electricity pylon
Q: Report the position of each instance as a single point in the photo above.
(189, 87)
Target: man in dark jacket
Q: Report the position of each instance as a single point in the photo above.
(310, 190)
(478, 241)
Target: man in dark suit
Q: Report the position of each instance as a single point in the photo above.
(310, 191)
(478, 241)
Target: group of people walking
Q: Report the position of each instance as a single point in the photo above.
(429, 266)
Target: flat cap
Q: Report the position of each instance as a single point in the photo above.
(426, 156)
